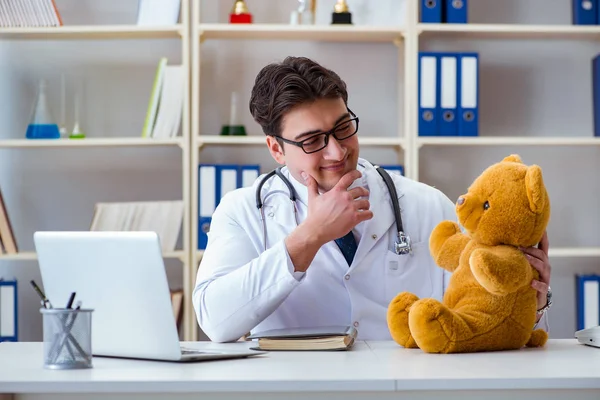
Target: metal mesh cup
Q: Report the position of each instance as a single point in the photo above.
(67, 338)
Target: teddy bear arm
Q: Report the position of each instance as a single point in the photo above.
(500, 270)
(446, 245)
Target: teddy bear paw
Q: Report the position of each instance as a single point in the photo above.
(538, 338)
(397, 318)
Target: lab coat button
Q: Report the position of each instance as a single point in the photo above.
(271, 214)
(347, 277)
(374, 236)
(356, 324)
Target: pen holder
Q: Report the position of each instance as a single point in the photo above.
(67, 338)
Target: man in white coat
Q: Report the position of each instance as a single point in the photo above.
(287, 270)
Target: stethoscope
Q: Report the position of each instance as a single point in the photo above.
(402, 244)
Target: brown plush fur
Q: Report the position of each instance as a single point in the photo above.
(489, 304)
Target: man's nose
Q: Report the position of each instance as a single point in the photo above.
(334, 149)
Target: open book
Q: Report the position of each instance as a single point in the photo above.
(316, 338)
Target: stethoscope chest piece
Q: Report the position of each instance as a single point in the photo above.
(402, 244)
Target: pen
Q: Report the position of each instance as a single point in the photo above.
(70, 302)
(45, 302)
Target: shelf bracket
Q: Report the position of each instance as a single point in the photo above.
(398, 41)
(201, 37)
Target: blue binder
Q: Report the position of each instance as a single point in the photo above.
(214, 182)
(448, 94)
(428, 93)
(468, 94)
(587, 292)
(431, 11)
(584, 12)
(456, 11)
(207, 201)
(248, 174)
(9, 324)
(596, 94)
(394, 168)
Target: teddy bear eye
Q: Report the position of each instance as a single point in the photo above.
(486, 205)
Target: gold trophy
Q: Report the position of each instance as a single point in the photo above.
(341, 13)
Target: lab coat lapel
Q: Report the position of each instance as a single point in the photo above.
(383, 215)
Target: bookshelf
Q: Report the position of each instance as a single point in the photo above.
(103, 32)
(407, 38)
(138, 35)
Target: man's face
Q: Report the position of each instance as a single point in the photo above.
(328, 165)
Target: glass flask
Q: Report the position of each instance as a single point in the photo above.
(42, 124)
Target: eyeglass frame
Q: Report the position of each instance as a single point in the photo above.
(327, 134)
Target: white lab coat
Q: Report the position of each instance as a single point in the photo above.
(241, 288)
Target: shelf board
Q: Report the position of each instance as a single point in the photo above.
(261, 140)
(91, 142)
(512, 31)
(31, 255)
(574, 252)
(94, 32)
(337, 33)
(507, 141)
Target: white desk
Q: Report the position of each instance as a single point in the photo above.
(563, 369)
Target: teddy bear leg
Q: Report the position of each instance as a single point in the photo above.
(538, 338)
(397, 319)
(435, 327)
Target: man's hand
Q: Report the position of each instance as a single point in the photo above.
(538, 258)
(334, 214)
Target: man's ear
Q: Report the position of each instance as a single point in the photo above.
(276, 150)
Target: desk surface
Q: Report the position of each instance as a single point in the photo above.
(370, 366)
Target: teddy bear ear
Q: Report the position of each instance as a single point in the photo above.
(534, 184)
(513, 158)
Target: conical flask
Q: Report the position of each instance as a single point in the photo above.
(42, 124)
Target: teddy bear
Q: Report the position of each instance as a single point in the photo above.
(489, 304)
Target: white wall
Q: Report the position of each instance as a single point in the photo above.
(533, 88)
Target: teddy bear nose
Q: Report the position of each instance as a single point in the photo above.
(460, 201)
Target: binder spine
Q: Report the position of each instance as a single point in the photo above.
(431, 11)
(428, 94)
(9, 324)
(596, 94)
(456, 11)
(584, 12)
(468, 94)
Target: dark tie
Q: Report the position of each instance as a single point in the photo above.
(347, 245)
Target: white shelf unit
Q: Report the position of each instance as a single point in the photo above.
(123, 32)
(408, 140)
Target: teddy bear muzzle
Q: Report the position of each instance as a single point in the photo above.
(460, 201)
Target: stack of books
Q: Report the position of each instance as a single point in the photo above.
(163, 217)
(306, 339)
(29, 13)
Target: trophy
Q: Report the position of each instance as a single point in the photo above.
(341, 14)
(239, 13)
(303, 15)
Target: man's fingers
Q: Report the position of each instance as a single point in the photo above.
(544, 244)
(347, 179)
(311, 184)
(365, 215)
(358, 192)
(539, 286)
(362, 204)
(534, 252)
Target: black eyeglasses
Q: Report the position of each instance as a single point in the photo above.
(341, 131)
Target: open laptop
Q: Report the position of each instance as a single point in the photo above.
(121, 275)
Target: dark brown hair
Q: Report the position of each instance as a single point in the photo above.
(279, 87)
